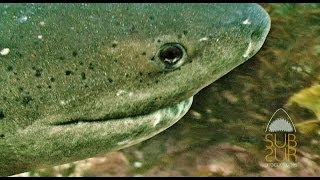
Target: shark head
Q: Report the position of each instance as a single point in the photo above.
(79, 80)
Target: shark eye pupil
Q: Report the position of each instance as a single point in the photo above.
(171, 53)
(170, 56)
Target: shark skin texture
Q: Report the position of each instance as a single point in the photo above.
(79, 80)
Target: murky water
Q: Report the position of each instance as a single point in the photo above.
(224, 132)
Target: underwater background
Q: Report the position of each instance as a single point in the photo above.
(223, 134)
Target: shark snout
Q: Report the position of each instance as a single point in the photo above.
(259, 29)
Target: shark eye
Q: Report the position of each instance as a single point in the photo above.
(171, 53)
(171, 56)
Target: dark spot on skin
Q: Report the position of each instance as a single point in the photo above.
(81, 63)
(190, 61)
(127, 75)
(21, 37)
(15, 73)
(18, 79)
(9, 68)
(74, 53)
(49, 87)
(158, 40)
(20, 89)
(133, 29)
(110, 80)
(4, 98)
(38, 72)
(185, 32)
(91, 66)
(38, 86)
(19, 54)
(83, 76)
(140, 73)
(140, 81)
(157, 81)
(149, 73)
(151, 17)
(2, 136)
(52, 79)
(26, 100)
(86, 86)
(2, 116)
(114, 45)
(144, 53)
(62, 58)
(152, 59)
(68, 72)
(116, 61)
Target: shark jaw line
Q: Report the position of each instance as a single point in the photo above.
(183, 106)
(108, 135)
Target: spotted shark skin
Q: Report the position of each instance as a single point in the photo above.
(79, 80)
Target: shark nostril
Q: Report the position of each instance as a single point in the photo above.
(253, 44)
(255, 35)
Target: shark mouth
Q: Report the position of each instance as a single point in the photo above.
(167, 112)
